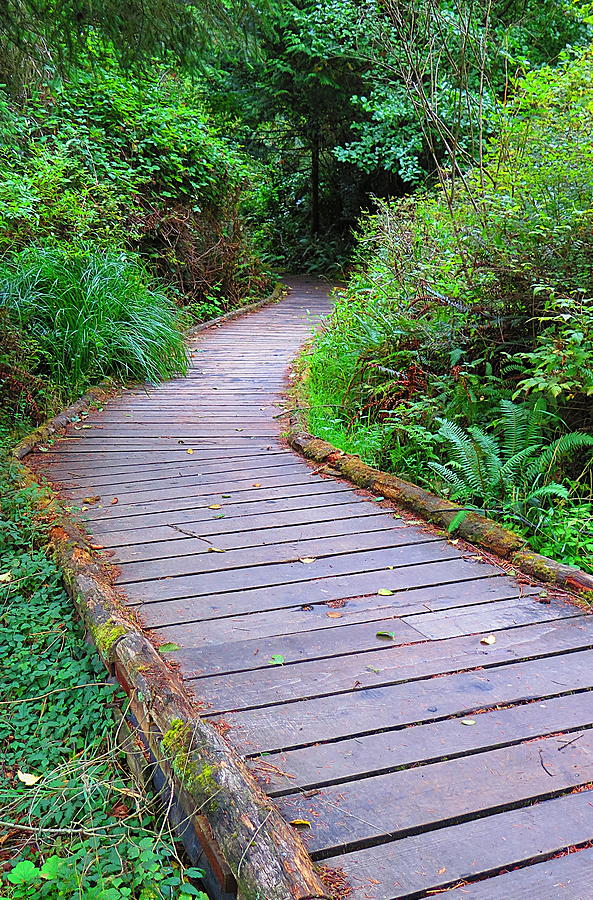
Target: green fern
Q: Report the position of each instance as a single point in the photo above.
(513, 470)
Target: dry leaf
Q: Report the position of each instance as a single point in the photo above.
(216, 550)
(308, 559)
(27, 778)
(91, 499)
(215, 506)
(300, 823)
(334, 615)
(384, 592)
(114, 501)
(468, 721)
(489, 639)
(189, 451)
(257, 484)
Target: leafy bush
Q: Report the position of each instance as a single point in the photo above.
(92, 315)
(475, 294)
(131, 161)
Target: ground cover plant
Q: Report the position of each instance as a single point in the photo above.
(469, 316)
(74, 824)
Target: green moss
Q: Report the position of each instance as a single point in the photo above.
(195, 776)
(105, 636)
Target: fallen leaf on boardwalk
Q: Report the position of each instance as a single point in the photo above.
(334, 615)
(226, 496)
(114, 501)
(216, 550)
(168, 648)
(27, 778)
(5, 577)
(384, 592)
(257, 484)
(300, 823)
(387, 635)
(489, 639)
(86, 426)
(218, 516)
(238, 429)
(468, 721)
(189, 451)
(277, 659)
(307, 559)
(91, 499)
(373, 669)
(377, 499)
(215, 506)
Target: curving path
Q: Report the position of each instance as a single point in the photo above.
(422, 758)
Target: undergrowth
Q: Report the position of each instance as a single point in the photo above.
(470, 301)
(90, 315)
(73, 824)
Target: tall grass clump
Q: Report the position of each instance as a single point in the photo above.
(92, 314)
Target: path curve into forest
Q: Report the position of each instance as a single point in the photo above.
(421, 757)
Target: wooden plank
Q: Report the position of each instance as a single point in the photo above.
(329, 661)
(398, 803)
(237, 510)
(134, 507)
(180, 545)
(162, 480)
(352, 758)
(437, 859)
(222, 625)
(290, 552)
(268, 522)
(412, 556)
(249, 601)
(132, 472)
(373, 709)
(569, 876)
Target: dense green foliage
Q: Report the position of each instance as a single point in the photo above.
(348, 99)
(478, 293)
(57, 724)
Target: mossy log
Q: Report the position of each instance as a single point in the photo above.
(264, 853)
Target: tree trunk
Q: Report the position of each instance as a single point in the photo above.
(315, 184)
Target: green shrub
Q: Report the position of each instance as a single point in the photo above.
(471, 296)
(92, 315)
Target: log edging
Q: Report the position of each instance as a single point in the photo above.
(474, 528)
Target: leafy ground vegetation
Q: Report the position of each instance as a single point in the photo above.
(73, 825)
(461, 354)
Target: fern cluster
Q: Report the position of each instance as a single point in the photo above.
(511, 470)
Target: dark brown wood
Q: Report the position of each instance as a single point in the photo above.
(393, 688)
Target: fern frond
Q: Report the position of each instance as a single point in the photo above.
(459, 488)
(562, 447)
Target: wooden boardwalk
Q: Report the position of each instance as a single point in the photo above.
(423, 759)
